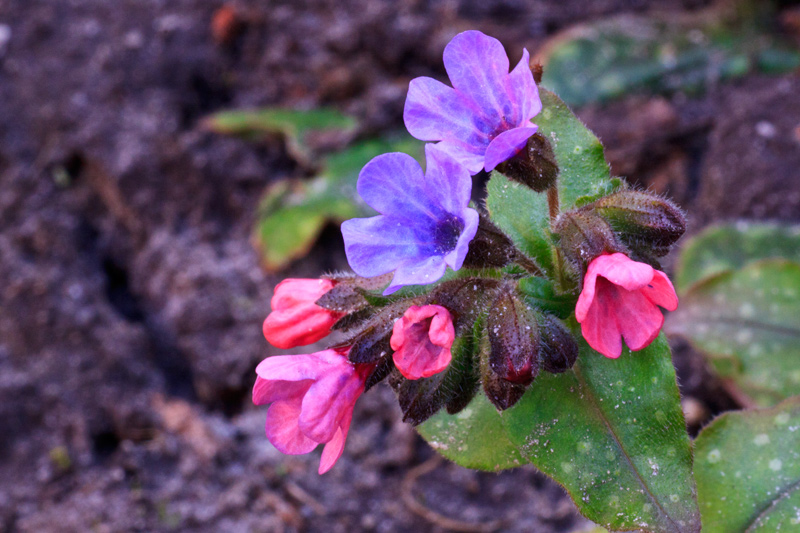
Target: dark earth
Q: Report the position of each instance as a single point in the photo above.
(131, 297)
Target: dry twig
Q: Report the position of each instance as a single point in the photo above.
(432, 516)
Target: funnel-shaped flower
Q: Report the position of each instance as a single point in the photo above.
(312, 398)
(295, 319)
(421, 340)
(484, 119)
(424, 225)
(621, 297)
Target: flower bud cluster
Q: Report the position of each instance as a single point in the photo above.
(442, 304)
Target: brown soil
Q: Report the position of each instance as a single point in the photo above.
(131, 298)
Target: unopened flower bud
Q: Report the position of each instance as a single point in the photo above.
(558, 350)
(296, 320)
(453, 388)
(584, 235)
(490, 248)
(347, 293)
(534, 166)
(513, 339)
(538, 70)
(501, 393)
(642, 220)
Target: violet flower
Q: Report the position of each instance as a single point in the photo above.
(484, 119)
(424, 223)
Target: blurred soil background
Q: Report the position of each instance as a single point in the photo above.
(131, 296)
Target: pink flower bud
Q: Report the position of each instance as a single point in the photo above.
(422, 339)
(620, 298)
(295, 319)
(312, 396)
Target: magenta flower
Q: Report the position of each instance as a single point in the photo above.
(421, 341)
(424, 226)
(620, 297)
(312, 398)
(484, 119)
(295, 319)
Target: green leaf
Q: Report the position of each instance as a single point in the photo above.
(602, 60)
(540, 294)
(474, 438)
(522, 213)
(731, 246)
(298, 127)
(583, 169)
(747, 323)
(293, 213)
(747, 468)
(610, 431)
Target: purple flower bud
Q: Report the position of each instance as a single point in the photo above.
(484, 119)
(424, 224)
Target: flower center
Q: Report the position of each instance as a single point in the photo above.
(447, 232)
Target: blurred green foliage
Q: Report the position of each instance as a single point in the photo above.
(739, 287)
(293, 212)
(299, 128)
(656, 54)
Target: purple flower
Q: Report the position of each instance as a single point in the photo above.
(484, 119)
(424, 225)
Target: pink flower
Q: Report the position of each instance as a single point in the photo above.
(621, 297)
(295, 319)
(421, 341)
(312, 398)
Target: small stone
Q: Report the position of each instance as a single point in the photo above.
(694, 410)
(766, 129)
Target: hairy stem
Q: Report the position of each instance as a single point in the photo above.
(527, 264)
(552, 203)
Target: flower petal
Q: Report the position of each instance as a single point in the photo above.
(302, 324)
(506, 145)
(283, 431)
(442, 332)
(447, 183)
(292, 292)
(599, 326)
(478, 68)
(523, 88)
(328, 401)
(271, 390)
(638, 319)
(470, 156)
(422, 339)
(661, 292)
(422, 272)
(296, 367)
(620, 270)
(394, 184)
(433, 112)
(587, 295)
(456, 258)
(377, 245)
(334, 448)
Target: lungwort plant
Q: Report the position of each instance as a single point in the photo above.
(523, 331)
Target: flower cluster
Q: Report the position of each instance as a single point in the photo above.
(480, 325)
